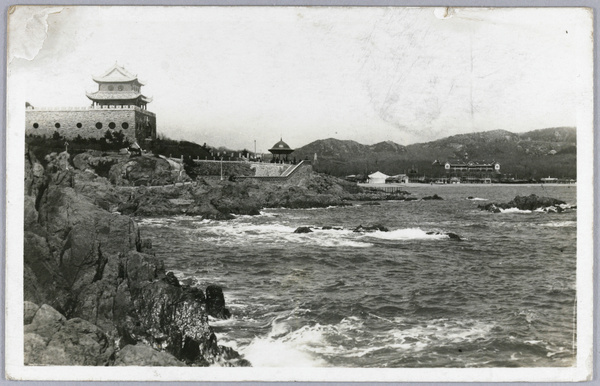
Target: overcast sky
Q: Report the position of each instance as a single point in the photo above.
(229, 76)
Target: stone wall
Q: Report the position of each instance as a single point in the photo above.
(91, 122)
(268, 169)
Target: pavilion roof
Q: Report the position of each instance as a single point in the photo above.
(116, 74)
(281, 147)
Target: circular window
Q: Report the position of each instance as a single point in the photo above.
(112, 125)
(35, 125)
(98, 125)
(125, 125)
(57, 125)
(79, 125)
(111, 87)
(120, 88)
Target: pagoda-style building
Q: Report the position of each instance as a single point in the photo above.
(118, 87)
(280, 151)
(117, 106)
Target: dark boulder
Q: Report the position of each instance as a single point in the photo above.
(454, 236)
(371, 228)
(303, 230)
(434, 197)
(171, 279)
(451, 235)
(215, 302)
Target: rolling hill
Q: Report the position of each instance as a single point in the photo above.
(530, 155)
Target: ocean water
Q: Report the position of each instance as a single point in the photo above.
(504, 296)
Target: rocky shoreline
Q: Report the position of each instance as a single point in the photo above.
(94, 292)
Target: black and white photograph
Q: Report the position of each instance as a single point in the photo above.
(228, 193)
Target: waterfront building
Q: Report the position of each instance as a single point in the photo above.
(470, 171)
(398, 178)
(377, 178)
(117, 105)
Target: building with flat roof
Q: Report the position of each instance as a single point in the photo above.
(470, 171)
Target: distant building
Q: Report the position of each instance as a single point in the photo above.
(398, 178)
(377, 178)
(118, 105)
(470, 171)
(549, 180)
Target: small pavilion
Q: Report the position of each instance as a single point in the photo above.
(280, 151)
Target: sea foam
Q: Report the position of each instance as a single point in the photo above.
(407, 234)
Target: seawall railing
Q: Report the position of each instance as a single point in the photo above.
(92, 108)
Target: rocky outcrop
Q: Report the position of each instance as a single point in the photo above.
(51, 339)
(146, 170)
(89, 265)
(98, 162)
(531, 202)
(215, 302)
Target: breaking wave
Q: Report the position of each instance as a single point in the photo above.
(407, 234)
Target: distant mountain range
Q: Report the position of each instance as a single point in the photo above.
(534, 154)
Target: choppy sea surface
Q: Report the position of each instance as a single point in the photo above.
(504, 296)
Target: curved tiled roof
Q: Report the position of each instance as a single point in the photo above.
(116, 74)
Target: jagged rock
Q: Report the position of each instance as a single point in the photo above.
(86, 263)
(57, 162)
(434, 197)
(531, 202)
(303, 230)
(371, 228)
(171, 279)
(142, 355)
(454, 236)
(215, 302)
